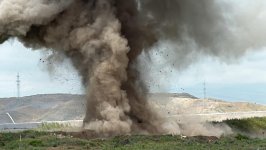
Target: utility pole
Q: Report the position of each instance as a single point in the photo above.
(204, 89)
(18, 86)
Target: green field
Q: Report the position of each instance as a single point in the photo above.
(60, 140)
(43, 140)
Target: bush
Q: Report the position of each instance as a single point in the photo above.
(241, 137)
(53, 126)
(36, 143)
(249, 125)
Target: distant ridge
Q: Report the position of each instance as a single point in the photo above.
(59, 107)
(184, 95)
(44, 107)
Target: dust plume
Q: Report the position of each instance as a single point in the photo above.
(103, 39)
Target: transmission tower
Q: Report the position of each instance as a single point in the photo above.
(18, 86)
(204, 89)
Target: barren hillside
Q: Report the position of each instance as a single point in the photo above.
(70, 107)
(44, 107)
(188, 104)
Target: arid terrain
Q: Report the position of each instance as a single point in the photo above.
(59, 107)
(242, 134)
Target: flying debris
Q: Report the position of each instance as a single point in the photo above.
(3, 38)
(103, 39)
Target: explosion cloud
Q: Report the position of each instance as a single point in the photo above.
(103, 39)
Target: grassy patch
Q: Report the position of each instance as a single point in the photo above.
(36, 143)
(251, 125)
(38, 140)
(52, 126)
(45, 140)
(62, 140)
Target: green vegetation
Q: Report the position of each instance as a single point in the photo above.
(44, 140)
(37, 139)
(52, 126)
(251, 125)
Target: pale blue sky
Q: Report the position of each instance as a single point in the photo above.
(35, 79)
(243, 80)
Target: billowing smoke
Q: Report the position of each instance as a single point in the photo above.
(103, 39)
